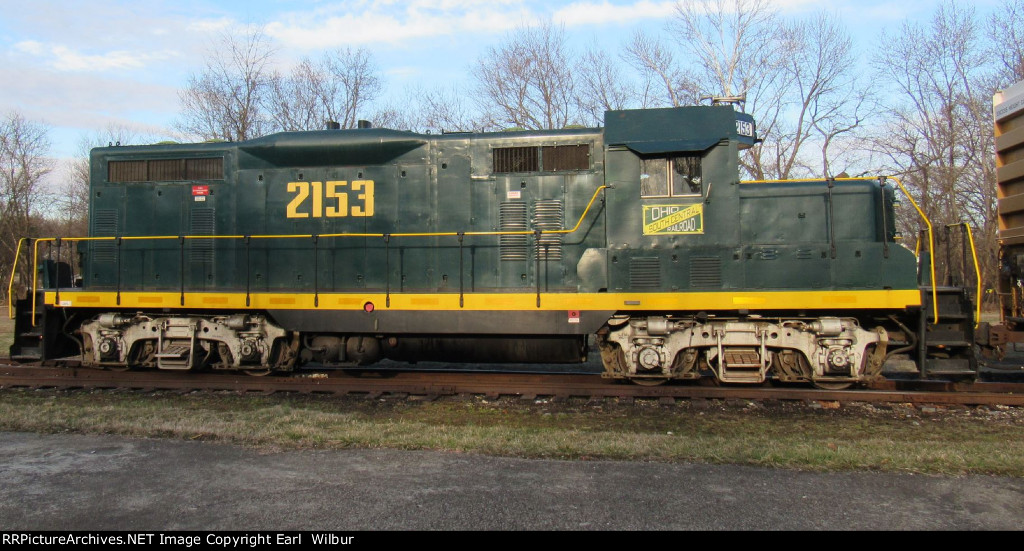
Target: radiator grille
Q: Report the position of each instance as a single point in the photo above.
(104, 225)
(548, 215)
(645, 272)
(705, 272)
(512, 216)
(201, 223)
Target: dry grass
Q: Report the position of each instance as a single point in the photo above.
(780, 435)
(6, 333)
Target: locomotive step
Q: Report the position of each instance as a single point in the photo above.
(949, 344)
(173, 353)
(754, 377)
(948, 316)
(27, 354)
(949, 367)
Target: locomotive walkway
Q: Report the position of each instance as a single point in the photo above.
(78, 482)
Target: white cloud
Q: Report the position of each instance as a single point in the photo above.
(67, 59)
(597, 13)
(62, 58)
(406, 71)
(72, 102)
(210, 25)
(31, 47)
(415, 20)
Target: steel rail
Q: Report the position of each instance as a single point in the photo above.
(524, 385)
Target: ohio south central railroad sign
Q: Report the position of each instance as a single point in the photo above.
(673, 219)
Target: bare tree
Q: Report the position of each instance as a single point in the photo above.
(939, 136)
(794, 77)
(1007, 30)
(665, 82)
(226, 100)
(23, 165)
(602, 87)
(293, 101)
(527, 81)
(74, 201)
(821, 99)
(338, 87)
(734, 44)
(441, 109)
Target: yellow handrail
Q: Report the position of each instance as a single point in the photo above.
(10, 286)
(931, 246)
(931, 239)
(35, 257)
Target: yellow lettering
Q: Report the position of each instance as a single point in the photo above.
(341, 207)
(366, 197)
(302, 188)
(336, 198)
(318, 199)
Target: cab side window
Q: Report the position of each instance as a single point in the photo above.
(686, 178)
(677, 176)
(654, 177)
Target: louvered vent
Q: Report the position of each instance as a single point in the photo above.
(166, 170)
(104, 225)
(204, 169)
(516, 159)
(201, 223)
(566, 157)
(804, 254)
(705, 272)
(512, 216)
(126, 171)
(645, 272)
(548, 215)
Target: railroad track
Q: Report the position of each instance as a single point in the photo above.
(431, 385)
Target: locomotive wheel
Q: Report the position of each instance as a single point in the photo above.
(117, 367)
(258, 372)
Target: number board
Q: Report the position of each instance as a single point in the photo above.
(674, 219)
(333, 199)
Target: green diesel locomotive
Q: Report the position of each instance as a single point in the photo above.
(343, 247)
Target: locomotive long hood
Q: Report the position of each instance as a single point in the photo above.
(332, 147)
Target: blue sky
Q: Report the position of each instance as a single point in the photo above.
(80, 66)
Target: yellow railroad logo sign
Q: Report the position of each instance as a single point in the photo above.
(673, 219)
